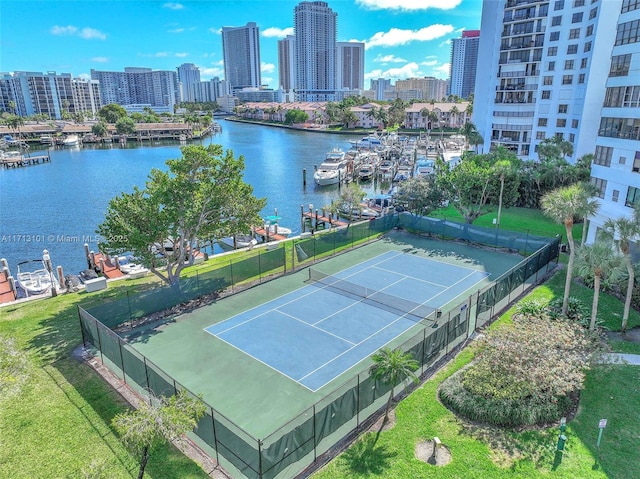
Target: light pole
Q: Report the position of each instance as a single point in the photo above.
(47, 263)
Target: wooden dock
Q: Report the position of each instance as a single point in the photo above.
(21, 160)
(268, 236)
(107, 266)
(318, 221)
(6, 293)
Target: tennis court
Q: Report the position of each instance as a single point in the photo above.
(314, 334)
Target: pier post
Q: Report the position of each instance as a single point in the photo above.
(12, 285)
(302, 222)
(304, 177)
(86, 254)
(60, 276)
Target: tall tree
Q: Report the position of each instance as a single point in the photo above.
(622, 232)
(420, 195)
(143, 428)
(563, 205)
(111, 113)
(506, 165)
(100, 129)
(391, 367)
(602, 261)
(125, 126)
(202, 196)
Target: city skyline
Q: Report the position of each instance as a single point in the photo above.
(403, 38)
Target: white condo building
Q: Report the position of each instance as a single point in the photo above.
(544, 65)
(241, 52)
(189, 78)
(315, 26)
(616, 167)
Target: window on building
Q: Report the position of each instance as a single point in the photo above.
(542, 122)
(546, 94)
(622, 160)
(555, 21)
(630, 5)
(574, 123)
(547, 80)
(572, 137)
(615, 195)
(584, 62)
(581, 78)
(561, 122)
(551, 66)
(601, 186)
(587, 47)
(558, 5)
(633, 197)
(636, 163)
(559, 135)
(576, 17)
(593, 13)
(567, 79)
(602, 156)
(568, 64)
(589, 31)
(562, 108)
(620, 65)
(574, 33)
(578, 3)
(628, 32)
(571, 49)
(554, 36)
(552, 51)
(540, 135)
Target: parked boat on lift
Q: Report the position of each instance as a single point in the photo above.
(237, 242)
(34, 278)
(71, 140)
(333, 169)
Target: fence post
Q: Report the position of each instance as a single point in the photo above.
(98, 324)
(84, 340)
(231, 273)
(357, 404)
(215, 437)
(146, 375)
(124, 374)
(129, 307)
(315, 440)
(259, 458)
(259, 267)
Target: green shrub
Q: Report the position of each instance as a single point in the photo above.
(507, 412)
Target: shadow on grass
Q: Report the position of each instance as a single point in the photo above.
(365, 458)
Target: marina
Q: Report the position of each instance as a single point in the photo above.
(69, 192)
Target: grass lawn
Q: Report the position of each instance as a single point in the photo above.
(61, 424)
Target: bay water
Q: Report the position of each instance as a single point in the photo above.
(57, 206)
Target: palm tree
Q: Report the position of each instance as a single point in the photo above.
(504, 168)
(622, 232)
(591, 206)
(392, 367)
(454, 112)
(602, 261)
(424, 113)
(562, 205)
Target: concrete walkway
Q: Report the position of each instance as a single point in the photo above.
(621, 358)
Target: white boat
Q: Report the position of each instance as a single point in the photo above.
(366, 171)
(47, 140)
(370, 142)
(424, 167)
(71, 140)
(237, 241)
(387, 168)
(332, 170)
(34, 278)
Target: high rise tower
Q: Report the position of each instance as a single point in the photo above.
(315, 27)
(350, 65)
(464, 58)
(241, 51)
(189, 77)
(287, 63)
(543, 67)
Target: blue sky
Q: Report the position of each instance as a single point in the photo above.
(404, 38)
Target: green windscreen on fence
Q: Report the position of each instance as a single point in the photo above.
(295, 445)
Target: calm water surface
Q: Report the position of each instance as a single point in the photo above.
(57, 206)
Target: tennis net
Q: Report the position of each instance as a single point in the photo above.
(400, 306)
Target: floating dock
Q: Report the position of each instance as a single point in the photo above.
(316, 221)
(16, 161)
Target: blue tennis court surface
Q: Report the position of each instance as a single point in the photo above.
(314, 334)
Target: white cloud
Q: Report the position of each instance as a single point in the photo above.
(267, 80)
(216, 31)
(182, 54)
(100, 59)
(267, 67)
(389, 59)
(429, 63)
(276, 32)
(408, 5)
(443, 70)
(212, 72)
(84, 76)
(87, 33)
(410, 70)
(173, 6)
(176, 30)
(397, 36)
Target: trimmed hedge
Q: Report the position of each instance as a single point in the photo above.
(500, 412)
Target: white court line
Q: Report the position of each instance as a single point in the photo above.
(459, 281)
(319, 329)
(406, 276)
